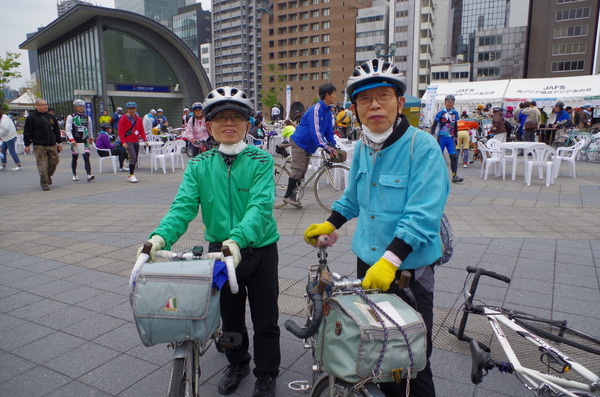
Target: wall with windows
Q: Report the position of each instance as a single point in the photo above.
(499, 53)
(562, 38)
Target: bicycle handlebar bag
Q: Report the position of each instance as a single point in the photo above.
(350, 339)
(174, 301)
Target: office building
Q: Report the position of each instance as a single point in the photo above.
(563, 39)
(160, 11)
(236, 45)
(65, 5)
(193, 25)
(305, 44)
(109, 57)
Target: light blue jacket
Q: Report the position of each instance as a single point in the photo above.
(394, 195)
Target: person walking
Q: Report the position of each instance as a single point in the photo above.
(275, 112)
(116, 117)
(131, 131)
(398, 187)
(103, 142)
(532, 118)
(314, 131)
(233, 187)
(148, 121)
(8, 136)
(196, 132)
(447, 121)
(41, 130)
(498, 124)
(342, 120)
(79, 133)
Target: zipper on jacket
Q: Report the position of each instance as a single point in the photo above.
(229, 196)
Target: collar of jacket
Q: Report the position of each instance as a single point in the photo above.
(398, 131)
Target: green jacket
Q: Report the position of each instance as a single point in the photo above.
(236, 201)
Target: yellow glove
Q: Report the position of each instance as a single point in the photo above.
(312, 233)
(380, 275)
(235, 251)
(158, 243)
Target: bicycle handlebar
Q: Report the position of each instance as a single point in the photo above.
(482, 272)
(315, 321)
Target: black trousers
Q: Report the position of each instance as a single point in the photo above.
(258, 279)
(422, 385)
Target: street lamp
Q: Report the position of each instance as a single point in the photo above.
(385, 51)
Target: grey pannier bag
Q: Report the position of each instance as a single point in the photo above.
(350, 339)
(175, 301)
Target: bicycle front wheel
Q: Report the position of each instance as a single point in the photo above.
(282, 177)
(185, 375)
(592, 151)
(342, 389)
(330, 185)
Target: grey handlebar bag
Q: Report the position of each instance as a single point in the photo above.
(175, 301)
(351, 338)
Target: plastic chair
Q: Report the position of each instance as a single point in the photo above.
(180, 144)
(250, 140)
(166, 152)
(540, 156)
(491, 157)
(113, 159)
(568, 154)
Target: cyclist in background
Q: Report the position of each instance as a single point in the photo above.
(314, 131)
(447, 121)
(234, 188)
(398, 186)
(79, 133)
(196, 132)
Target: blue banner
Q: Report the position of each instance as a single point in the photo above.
(142, 88)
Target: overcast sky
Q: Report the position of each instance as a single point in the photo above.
(26, 16)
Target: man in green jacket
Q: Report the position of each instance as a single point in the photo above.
(234, 188)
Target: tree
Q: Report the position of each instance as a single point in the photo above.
(274, 83)
(8, 72)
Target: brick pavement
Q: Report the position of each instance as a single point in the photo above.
(65, 322)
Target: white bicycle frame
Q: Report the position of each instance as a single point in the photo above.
(538, 380)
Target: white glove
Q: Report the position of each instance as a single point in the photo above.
(157, 242)
(235, 251)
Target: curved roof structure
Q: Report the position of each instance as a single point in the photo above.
(193, 81)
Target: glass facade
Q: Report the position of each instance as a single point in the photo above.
(71, 65)
(479, 15)
(185, 26)
(128, 60)
(161, 11)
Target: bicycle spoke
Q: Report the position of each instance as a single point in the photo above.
(330, 184)
(281, 176)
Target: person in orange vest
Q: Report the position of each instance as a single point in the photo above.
(464, 138)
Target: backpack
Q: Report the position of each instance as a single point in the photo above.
(446, 234)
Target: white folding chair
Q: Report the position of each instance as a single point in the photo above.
(180, 144)
(166, 152)
(250, 140)
(543, 157)
(568, 154)
(491, 157)
(113, 159)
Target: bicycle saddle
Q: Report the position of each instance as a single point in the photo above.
(480, 360)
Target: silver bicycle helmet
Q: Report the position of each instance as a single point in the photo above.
(375, 73)
(78, 102)
(197, 105)
(224, 98)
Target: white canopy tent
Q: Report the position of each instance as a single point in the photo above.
(468, 95)
(573, 91)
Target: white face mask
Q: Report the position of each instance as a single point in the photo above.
(236, 148)
(375, 137)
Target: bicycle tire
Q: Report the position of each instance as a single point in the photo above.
(281, 176)
(523, 318)
(592, 151)
(341, 388)
(177, 380)
(332, 186)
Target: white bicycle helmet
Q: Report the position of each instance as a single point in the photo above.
(375, 73)
(226, 98)
(78, 102)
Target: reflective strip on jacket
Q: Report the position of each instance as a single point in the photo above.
(393, 198)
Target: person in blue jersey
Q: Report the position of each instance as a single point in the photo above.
(314, 131)
(445, 127)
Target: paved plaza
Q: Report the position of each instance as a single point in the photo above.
(66, 327)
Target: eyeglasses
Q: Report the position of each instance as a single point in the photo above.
(236, 117)
(364, 101)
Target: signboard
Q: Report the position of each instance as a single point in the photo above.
(141, 88)
(88, 110)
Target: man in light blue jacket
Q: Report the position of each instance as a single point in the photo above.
(398, 187)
